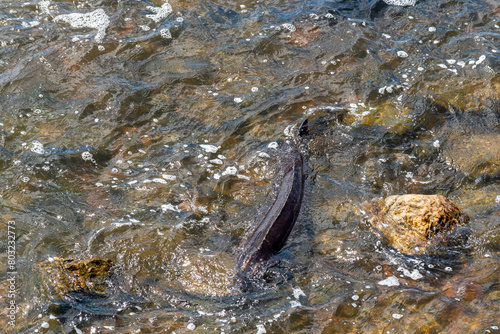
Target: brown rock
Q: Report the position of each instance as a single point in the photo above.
(68, 275)
(411, 222)
(474, 154)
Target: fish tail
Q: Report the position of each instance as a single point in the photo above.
(304, 128)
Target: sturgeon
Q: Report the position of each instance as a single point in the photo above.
(276, 221)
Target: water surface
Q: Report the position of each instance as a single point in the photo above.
(149, 132)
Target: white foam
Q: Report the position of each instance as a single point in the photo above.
(401, 2)
(230, 171)
(30, 24)
(87, 156)
(216, 161)
(273, 145)
(288, 26)
(165, 33)
(160, 12)
(261, 329)
(209, 148)
(390, 281)
(397, 316)
(481, 59)
(401, 53)
(297, 292)
(415, 274)
(98, 19)
(191, 326)
(170, 207)
(44, 6)
(156, 180)
(37, 147)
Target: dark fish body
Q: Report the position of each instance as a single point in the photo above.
(278, 218)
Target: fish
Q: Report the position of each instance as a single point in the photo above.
(277, 218)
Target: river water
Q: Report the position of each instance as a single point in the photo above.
(149, 132)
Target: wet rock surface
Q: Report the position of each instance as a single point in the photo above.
(411, 223)
(70, 275)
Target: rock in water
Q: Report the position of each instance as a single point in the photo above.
(68, 275)
(411, 223)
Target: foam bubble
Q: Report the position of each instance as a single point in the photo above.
(209, 148)
(98, 19)
(401, 2)
(165, 33)
(481, 59)
(87, 156)
(415, 274)
(44, 6)
(297, 292)
(169, 207)
(216, 161)
(261, 329)
(230, 171)
(402, 54)
(160, 12)
(390, 281)
(273, 145)
(288, 26)
(37, 147)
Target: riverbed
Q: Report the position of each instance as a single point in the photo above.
(149, 133)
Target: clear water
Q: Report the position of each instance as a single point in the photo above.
(149, 133)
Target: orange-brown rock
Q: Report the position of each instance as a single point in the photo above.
(410, 223)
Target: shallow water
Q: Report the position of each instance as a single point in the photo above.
(149, 133)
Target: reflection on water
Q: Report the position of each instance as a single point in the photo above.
(148, 133)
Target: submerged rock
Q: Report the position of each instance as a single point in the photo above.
(69, 275)
(411, 223)
(475, 154)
